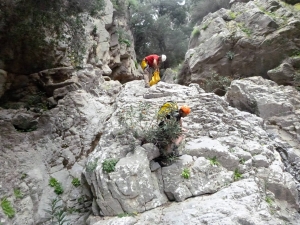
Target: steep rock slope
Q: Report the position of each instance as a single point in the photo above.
(250, 39)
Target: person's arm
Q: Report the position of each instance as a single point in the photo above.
(155, 64)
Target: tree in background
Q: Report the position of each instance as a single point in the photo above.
(160, 27)
(165, 26)
(200, 8)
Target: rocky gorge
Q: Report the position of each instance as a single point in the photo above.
(239, 163)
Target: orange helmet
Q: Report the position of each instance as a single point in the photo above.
(185, 109)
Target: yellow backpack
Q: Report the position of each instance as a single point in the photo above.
(167, 109)
(155, 77)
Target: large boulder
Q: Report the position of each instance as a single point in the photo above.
(247, 40)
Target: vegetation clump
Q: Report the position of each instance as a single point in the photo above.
(186, 173)
(58, 189)
(109, 165)
(237, 175)
(56, 213)
(76, 182)
(213, 161)
(91, 166)
(7, 208)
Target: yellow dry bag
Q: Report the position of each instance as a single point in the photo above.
(155, 77)
(143, 64)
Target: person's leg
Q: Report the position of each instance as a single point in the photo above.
(179, 140)
(147, 77)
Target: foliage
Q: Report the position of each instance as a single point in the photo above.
(127, 214)
(132, 120)
(56, 213)
(230, 55)
(76, 182)
(237, 175)
(7, 208)
(269, 200)
(58, 189)
(213, 161)
(195, 32)
(242, 161)
(160, 27)
(186, 173)
(216, 82)
(205, 26)
(28, 24)
(124, 37)
(232, 15)
(18, 193)
(199, 9)
(245, 29)
(109, 165)
(91, 166)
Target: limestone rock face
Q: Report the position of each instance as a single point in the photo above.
(279, 105)
(104, 49)
(216, 131)
(229, 162)
(249, 39)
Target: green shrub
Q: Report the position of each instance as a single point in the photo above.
(269, 200)
(186, 173)
(242, 161)
(216, 83)
(18, 193)
(230, 55)
(245, 29)
(213, 161)
(91, 166)
(7, 208)
(127, 214)
(237, 175)
(76, 182)
(56, 213)
(205, 26)
(132, 120)
(232, 15)
(109, 165)
(58, 189)
(53, 182)
(195, 32)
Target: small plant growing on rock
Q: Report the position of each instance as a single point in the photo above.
(56, 212)
(186, 173)
(232, 15)
(216, 83)
(237, 175)
(76, 182)
(109, 165)
(269, 200)
(127, 214)
(205, 26)
(91, 166)
(230, 55)
(242, 161)
(58, 189)
(195, 32)
(7, 208)
(18, 193)
(213, 161)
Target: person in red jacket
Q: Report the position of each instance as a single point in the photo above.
(149, 64)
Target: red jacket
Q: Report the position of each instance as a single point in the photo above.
(150, 58)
